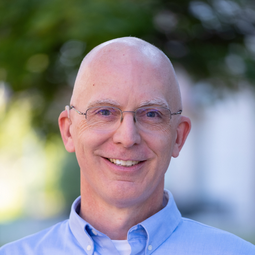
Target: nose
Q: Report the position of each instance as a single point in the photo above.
(133, 113)
(127, 133)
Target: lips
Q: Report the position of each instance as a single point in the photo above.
(126, 163)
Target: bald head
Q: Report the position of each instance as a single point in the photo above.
(132, 55)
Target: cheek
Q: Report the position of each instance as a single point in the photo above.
(81, 129)
(83, 135)
(87, 141)
(163, 147)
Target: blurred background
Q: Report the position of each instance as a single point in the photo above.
(212, 46)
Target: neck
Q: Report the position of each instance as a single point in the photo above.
(114, 220)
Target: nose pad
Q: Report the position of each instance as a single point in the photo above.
(134, 117)
(127, 133)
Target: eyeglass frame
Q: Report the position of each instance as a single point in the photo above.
(121, 119)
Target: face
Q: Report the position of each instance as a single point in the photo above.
(127, 84)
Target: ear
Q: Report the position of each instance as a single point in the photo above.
(182, 132)
(64, 123)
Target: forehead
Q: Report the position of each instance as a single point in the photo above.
(124, 88)
(125, 78)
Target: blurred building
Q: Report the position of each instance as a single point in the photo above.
(213, 179)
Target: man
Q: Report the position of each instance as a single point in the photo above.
(124, 123)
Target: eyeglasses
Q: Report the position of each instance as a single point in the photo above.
(108, 118)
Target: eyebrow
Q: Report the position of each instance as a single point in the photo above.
(158, 102)
(106, 101)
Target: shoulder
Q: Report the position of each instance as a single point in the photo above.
(53, 238)
(199, 238)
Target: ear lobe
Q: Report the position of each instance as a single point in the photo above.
(64, 123)
(182, 132)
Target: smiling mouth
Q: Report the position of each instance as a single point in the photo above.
(127, 163)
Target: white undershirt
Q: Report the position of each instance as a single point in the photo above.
(122, 246)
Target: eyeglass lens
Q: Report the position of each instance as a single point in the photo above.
(108, 118)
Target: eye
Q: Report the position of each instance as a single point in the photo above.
(149, 114)
(152, 114)
(104, 112)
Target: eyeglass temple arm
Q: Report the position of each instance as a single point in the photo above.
(176, 113)
(68, 108)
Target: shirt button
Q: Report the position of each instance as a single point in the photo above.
(94, 232)
(150, 247)
(89, 247)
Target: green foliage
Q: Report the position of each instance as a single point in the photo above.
(69, 182)
(43, 42)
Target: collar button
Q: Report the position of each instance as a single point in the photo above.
(94, 232)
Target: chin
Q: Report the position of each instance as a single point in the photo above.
(125, 194)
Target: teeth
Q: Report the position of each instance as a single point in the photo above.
(123, 163)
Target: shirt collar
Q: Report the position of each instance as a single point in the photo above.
(158, 227)
(78, 227)
(161, 225)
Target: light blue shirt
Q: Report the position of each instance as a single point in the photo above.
(166, 232)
